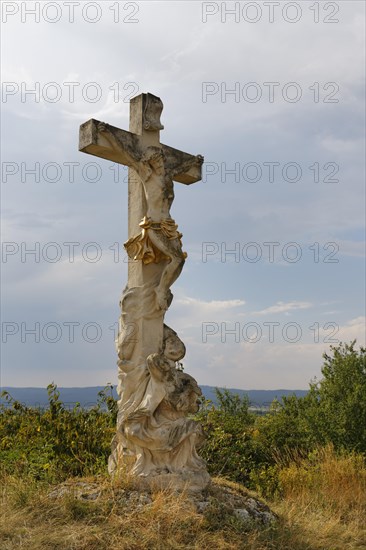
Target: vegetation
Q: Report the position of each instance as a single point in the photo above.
(306, 457)
(56, 443)
(250, 449)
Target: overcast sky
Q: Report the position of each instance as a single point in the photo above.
(272, 95)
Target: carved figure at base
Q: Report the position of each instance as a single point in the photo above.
(156, 430)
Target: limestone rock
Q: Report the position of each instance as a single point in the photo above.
(234, 501)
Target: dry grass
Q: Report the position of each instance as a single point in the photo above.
(31, 520)
(323, 508)
(326, 497)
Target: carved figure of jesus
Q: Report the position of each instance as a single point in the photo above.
(159, 238)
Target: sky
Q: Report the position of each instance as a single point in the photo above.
(272, 95)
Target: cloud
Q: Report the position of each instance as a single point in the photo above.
(265, 364)
(356, 249)
(354, 329)
(282, 307)
(171, 52)
(213, 306)
(187, 314)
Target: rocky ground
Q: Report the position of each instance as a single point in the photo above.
(220, 497)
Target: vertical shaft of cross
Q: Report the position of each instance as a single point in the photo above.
(148, 332)
(136, 196)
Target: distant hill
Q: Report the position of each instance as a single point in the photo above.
(260, 398)
(87, 397)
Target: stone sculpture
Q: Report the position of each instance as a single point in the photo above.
(156, 397)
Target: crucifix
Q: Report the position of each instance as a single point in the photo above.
(154, 438)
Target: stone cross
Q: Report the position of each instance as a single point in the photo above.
(155, 396)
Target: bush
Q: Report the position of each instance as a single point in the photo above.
(252, 449)
(333, 412)
(230, 448)
(338, 401)
(55, 443)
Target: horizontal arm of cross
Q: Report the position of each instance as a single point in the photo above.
(183, 166)
(93, 142)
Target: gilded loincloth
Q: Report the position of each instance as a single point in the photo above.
(142, 248)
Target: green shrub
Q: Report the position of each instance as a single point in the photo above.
(55, 443)
(230, 449)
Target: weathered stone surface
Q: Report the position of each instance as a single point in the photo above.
(235, 501)
(223, 498)
(155, 396)
(242, 514)
(93, 142)
(81, 490)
